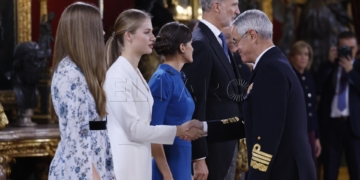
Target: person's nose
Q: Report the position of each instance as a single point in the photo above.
(152, 38)
(237, 11)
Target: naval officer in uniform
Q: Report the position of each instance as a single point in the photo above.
(274, 107)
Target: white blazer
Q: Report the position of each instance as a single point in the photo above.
(129, 107)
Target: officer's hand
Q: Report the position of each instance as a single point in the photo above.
(201, 171)
(317, 147)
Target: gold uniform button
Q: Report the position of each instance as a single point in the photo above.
(259, 137)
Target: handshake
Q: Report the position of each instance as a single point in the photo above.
(190, 130)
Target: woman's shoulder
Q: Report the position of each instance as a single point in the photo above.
(161, 75)
(117, 68)
(67, 66)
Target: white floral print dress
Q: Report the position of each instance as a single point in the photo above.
(79, 147)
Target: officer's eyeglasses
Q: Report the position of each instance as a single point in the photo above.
(236, 41)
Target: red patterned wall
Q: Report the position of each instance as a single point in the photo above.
(112, 8)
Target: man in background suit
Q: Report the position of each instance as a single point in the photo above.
(274, 107)
(339, 86)
(213, 82)
(243, 68)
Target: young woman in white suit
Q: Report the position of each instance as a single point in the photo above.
(130, 102)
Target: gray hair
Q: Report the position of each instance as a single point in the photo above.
(256, 20)
(206, 4)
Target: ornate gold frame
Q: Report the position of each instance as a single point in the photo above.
(25, 148)
(23, 20)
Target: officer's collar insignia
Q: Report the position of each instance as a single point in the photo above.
(260, 160)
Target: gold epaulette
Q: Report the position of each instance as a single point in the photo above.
(260, 160)
(230, 120)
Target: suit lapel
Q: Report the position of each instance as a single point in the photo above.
(237, 73)
(135, 79)
(219, 52)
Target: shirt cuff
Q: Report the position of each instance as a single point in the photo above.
(199, 159)
(205, 127)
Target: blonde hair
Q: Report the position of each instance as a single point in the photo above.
(128, 21)
(80, 36)
(297, 47)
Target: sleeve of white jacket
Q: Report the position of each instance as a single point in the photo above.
(122, 104)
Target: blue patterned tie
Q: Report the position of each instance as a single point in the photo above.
(224, 45)
(341, 104)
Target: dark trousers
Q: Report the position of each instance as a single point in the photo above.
(339, 137)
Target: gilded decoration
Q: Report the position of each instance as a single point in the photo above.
(23, 13)
(266, 7)
(15, 142)
(8, 101)
(43, 10)
(3, 119)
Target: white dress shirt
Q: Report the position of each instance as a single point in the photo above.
(216, 32)
(335, 112)
(213, 29)
(258, 58)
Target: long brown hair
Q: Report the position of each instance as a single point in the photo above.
(128, 21)
(80, 36)
(297, 47)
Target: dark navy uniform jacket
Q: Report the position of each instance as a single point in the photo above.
(307, 83)
(244, 70)
(275, 123)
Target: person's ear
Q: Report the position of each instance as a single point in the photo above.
(127, 36)
(253, 35)
(182, 48)
(216, 7)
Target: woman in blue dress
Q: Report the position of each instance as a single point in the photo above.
(173, 104)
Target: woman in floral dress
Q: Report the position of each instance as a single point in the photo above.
(78, 98)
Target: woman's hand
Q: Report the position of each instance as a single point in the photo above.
(190, 130)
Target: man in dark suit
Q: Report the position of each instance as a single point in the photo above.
(339, 86)
(243, 68)
(213, 82)
(274, 107)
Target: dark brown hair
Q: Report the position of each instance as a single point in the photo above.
(80, 36)
(346, 35)
(170, 37)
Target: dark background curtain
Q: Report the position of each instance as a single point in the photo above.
(356, 17)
